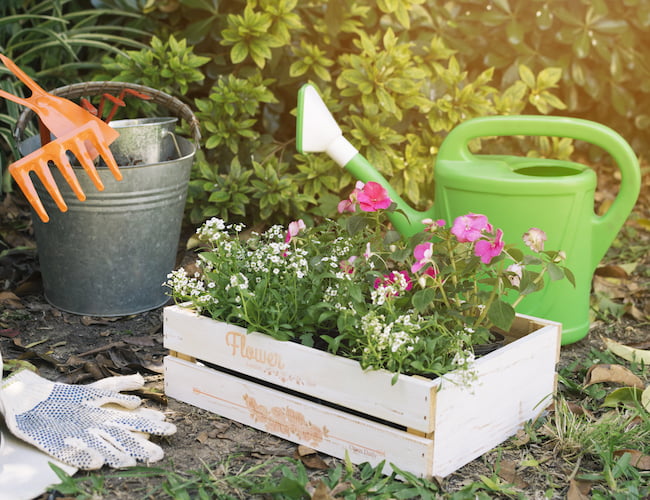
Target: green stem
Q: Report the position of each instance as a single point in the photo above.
(535, 281)
(490, 300)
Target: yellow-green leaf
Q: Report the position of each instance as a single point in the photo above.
(626, 352)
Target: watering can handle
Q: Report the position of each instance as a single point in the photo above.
(605, 227)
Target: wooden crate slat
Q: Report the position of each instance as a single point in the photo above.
(328, 430)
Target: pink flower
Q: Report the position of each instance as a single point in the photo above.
(368, 253)
(350, 204)
(470, 227)
(346, 206)
(423, 254)
(347, 266)
(373, 197)
(294, 228)
(515, 273)
(431, 225)
(430, 271)
(535, 239)
(488, 249)
(394, 277)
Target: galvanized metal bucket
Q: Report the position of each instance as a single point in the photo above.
(110, 254)
(144, 140)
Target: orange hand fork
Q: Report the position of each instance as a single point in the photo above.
(76, 130)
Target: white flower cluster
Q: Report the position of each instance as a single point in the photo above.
(238, 281)
(215, 232)
(391, 336)
(192, 287)
(332, 296)
(275, 258)
(389, 289)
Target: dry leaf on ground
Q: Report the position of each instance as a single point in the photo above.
(578, 490)
(638, 459)
(613, 374)
(626, 352)
(508, 472)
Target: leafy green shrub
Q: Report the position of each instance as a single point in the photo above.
(598, 44)
(394, 86)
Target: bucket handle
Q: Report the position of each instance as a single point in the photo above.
(177, 107)
(605, 227)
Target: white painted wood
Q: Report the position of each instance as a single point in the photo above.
(463, 421)
(513, 385)
(327, 430)
(300, 368)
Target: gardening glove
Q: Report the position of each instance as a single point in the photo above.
(84, 426)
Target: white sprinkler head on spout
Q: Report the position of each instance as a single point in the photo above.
(317, 131)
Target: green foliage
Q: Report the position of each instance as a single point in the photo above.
(597, 45)
(395, 87)
(169, 66)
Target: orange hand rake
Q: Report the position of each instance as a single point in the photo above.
(76, 130)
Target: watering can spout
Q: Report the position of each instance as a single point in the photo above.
(318, 132)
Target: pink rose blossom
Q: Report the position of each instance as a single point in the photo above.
(535, 239)
(488, 249)
(470, 227)
(373, 197)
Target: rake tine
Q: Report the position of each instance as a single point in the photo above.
(23, 180)
(45, 175)
(117, 103)
(105, 153)
(77, 145)
(38, 163)
(68, 174)
(95, 146)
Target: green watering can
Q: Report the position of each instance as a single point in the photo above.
(515, 193)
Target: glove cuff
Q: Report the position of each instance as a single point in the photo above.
(24, 390)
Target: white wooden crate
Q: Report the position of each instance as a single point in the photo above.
(427, 427)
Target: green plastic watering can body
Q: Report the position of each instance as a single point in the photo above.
(518, 193)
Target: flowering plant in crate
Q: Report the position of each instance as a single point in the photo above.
(354, 287)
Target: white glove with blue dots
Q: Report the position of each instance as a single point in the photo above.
(85, 426)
